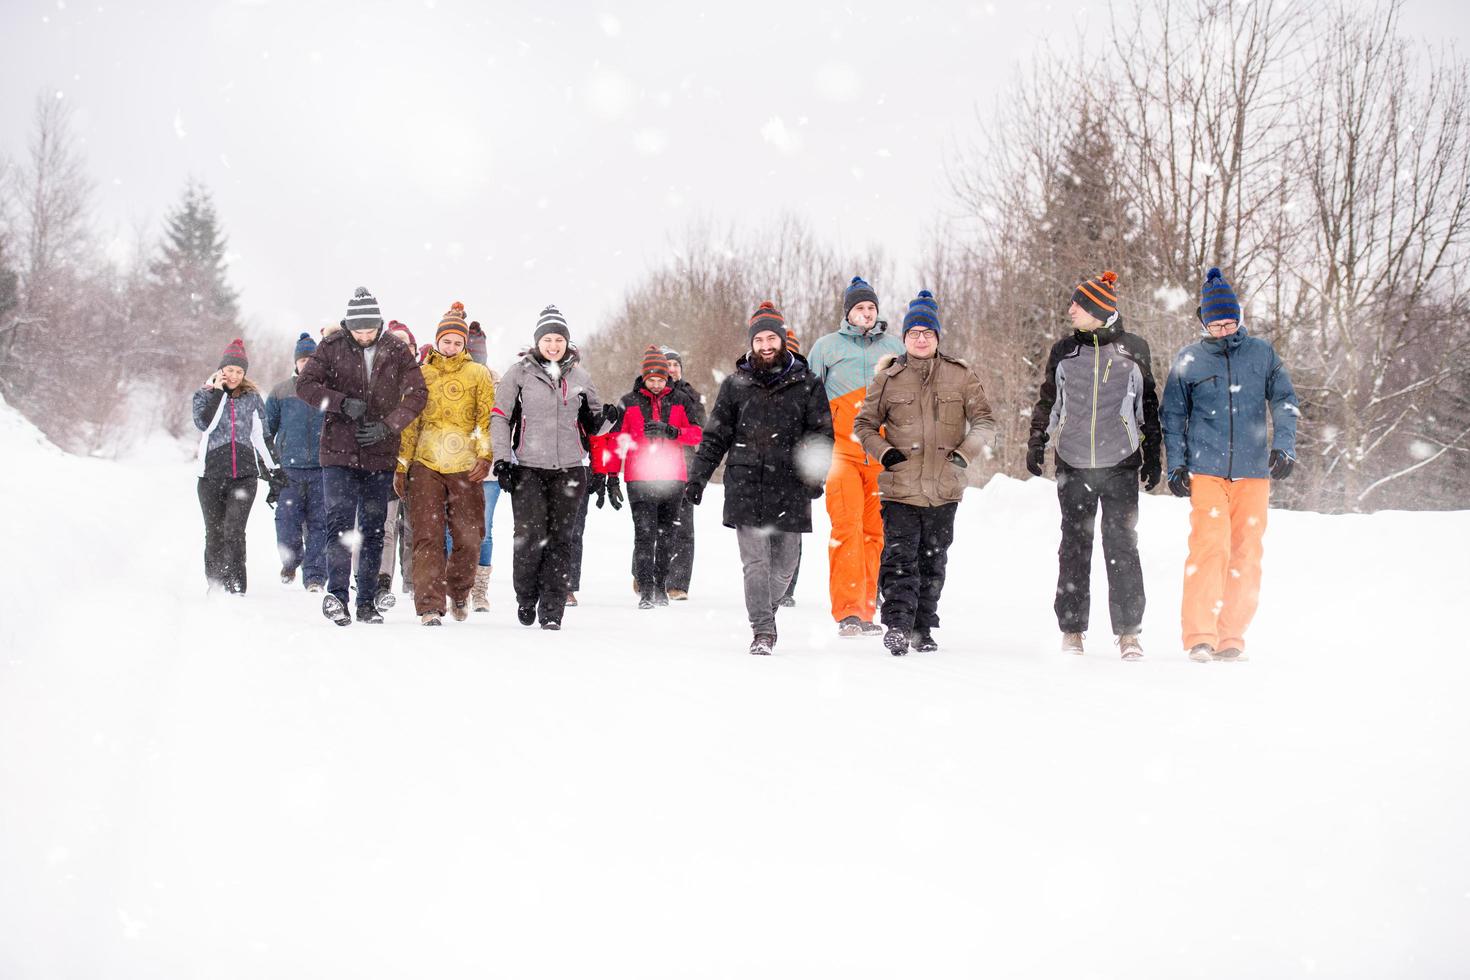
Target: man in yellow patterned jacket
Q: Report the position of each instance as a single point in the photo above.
(444, 457)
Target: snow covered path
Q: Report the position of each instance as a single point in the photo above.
(233, 788)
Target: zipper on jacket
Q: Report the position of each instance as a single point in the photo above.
(234, 462)
(1096, 353)
(1230, 406)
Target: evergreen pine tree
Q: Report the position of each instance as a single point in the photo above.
(196, 310)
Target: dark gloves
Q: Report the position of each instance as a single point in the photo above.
(354, 408)
(615, 491)
(372, 432)
(1280, 464)
(611, 413)
(505, 475)
(1179, 482)
(815, 490)
(597, 487)
(278, 482)
(1036, 459)
(694, 493)
(958, 460)
(891, 457)
(654, 429)
(1149, 474)
(589, 422)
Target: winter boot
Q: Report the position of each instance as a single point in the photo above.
(787, 601)
(923, 641)
(1072, 643)
(288, 575)
(571, 599)
(460, 608)
(870, 628)
(333, 609)
(645, 601)
(660, 597)
(1201, 653)
(678, 595)
(431, 619)
(1129, 646)
(385, 581)
(384, 601)
(551, 625)
(369, 614)
(637, 589)
(315, 587)
(526, 612)
(1230, 655)
(849, 626)
(763, 644)
(480, 594)
(897, 641)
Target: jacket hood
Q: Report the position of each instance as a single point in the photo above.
(1232, 342)
(879, 329)
(449, 365)
(794, 366)
(1104, 334)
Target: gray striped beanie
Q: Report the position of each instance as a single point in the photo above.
(551, 321)
(362, 311)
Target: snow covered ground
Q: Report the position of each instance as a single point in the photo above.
(224, 788)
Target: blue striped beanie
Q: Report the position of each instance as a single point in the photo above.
(923, 312)
(1217, 300)
(305, 346)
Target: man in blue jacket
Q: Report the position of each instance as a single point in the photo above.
(1222, 456)
(296, 428)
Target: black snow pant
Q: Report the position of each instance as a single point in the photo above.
(911, 571)
(545, 504)
(225, 503)
(681, 555)
(655, 540)
(1080, 491)
(574, 571)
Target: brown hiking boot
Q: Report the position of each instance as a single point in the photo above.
(480, 592)
(1230, 655)
(1072, 643)
(1201, 653)
(460, 608)
(678, 595)
(1129, 646)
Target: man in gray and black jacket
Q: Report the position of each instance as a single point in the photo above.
(1099, 406)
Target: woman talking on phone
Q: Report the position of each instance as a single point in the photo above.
(233, 453)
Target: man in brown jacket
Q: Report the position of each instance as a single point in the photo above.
(369, 385)
(926, 419)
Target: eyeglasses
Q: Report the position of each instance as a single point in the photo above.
(921, 333)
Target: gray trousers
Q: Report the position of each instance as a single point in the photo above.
(769, 558)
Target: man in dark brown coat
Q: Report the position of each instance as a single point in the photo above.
(925, 418)
(369, 385)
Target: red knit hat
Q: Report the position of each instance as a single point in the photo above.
(235, 355)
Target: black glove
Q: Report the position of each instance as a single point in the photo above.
(1179, 482)
(590, 423)
(958, 460)
(369, 433)
(694, 493)
(611, 413)
(505, 475)
(278, 482)
(1280, 464)
(597, 487)
(654, 429)
(1036, 459)
(615, 491)
(1149, 474)
(354, 408)
(815, 490)
(891, 457)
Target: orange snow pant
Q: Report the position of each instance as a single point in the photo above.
(857, 537)
(1222, 576)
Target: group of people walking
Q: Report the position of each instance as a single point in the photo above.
(885, 424)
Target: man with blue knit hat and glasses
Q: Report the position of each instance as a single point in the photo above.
(1223, 456)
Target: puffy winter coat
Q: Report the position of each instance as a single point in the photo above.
(234, 433)
(453, 430)
(394, 392)
(844, 362)
(926, 408)
(295, 426)
(1098, 404)
(773, 429)
(654, 468)
(1215, 404)
(556, 411)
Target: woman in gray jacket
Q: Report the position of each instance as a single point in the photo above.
(546, 409)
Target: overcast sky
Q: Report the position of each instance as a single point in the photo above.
(488, 152)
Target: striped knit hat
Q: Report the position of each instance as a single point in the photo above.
(1217, 300)
(1099, 297)
(235, 355)
(655, 363)
(453, 322)
(923, 312)
(767, 317)
(551, 321)
(792, 343)
(858, 291)
(363, 312)
(305, 347)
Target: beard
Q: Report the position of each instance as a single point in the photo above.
(765, 362)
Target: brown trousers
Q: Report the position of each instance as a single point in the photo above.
(437, 500)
